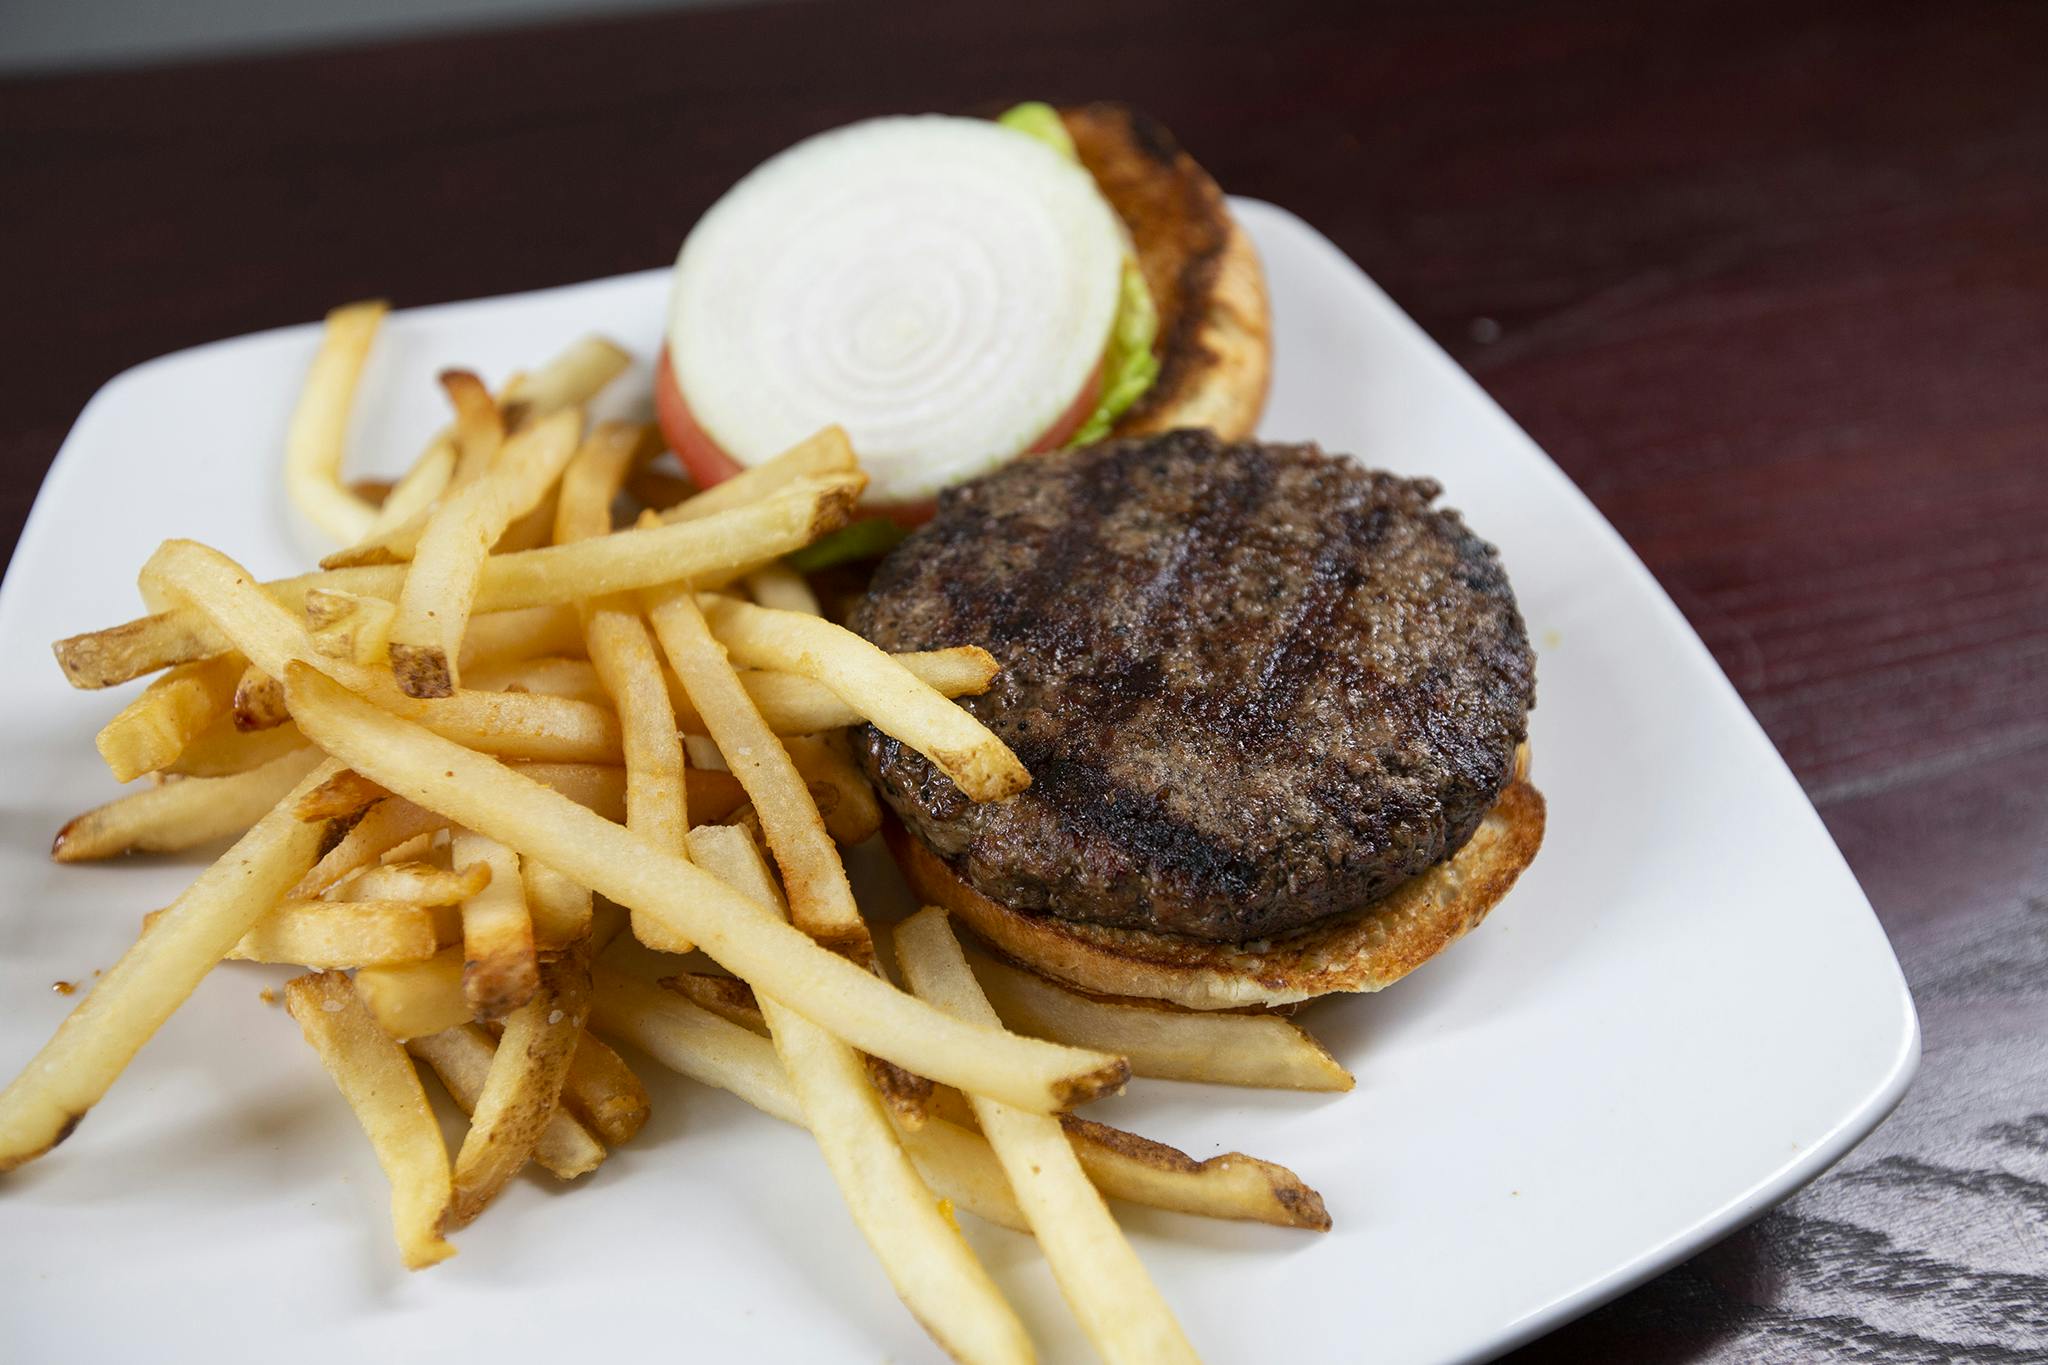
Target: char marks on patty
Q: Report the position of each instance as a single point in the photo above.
(1255, 685)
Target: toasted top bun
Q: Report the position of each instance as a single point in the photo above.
(1215, 331)
(1361, 950)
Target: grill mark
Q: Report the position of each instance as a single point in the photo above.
(1215, 528)
(1025, 614)
(1088, 802)
(1257, 713)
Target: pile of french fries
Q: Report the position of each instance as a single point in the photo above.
(525, 770)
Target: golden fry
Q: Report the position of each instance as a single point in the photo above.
(820, 898)
(499, 971)
(259, 701)
(380, 1084)
(441, 583)
(461, 1056)
(705, 552)
(894, 699)
(524, 1086)
(318, 436)
(1105, 1284)
(93, 1045)
(151, 732)
(1183, 1045)
(934, 1271)
(834, 993)
(181, 813)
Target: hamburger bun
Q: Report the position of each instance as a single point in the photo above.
(1355, 951)
(1215, 332)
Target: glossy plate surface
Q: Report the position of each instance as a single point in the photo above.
(1685, 1009)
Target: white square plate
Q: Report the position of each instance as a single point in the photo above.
(1683, 1011)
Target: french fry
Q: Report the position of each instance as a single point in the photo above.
(47, 1100)
(461, 1056)
(854, 815)
(412, 850)
(1105, 1284)
(318, 435)
(325, 935)
(934, 1272)
(1235, 1186)
(259, 701)
(1183, 1045)
(571, 379)
(796, 705)
(1138, 1170)
(525, 725)
(779, 960)
(346, 625)
(705, 552)
(893, 699)
(692, 1042)
(695, 1041)
(523, 1087)
(522, 725)
(499, 970)
(381, 1086)
(221, 750)
(412, 1000)
(387, 825)
(181, 813)
(820, 456)
(550, 675)
(151, 732)
(471, 446)
(345, 794)
(499, 639)
(820, 898)
(627, 663)
(727, 997)
(441, 583)
(561, 910)
(782, 588)
(416, 491)
(958, 1162)
(413, 884)
(600, 787)
(107, 658)
(583, 507)
(603, 1092)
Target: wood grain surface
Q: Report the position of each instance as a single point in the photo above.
(1770, 280)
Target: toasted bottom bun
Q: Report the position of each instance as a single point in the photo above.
(1215, 328)
(1362, 950)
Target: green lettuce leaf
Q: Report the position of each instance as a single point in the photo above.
(870, 538)
(1128, 366)
(1035, 118)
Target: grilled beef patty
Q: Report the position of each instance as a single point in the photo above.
(1254, 684)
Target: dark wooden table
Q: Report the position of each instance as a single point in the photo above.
(1770, 280)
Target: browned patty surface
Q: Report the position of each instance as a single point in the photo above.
(1254, 684)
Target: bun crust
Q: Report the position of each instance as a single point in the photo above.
(1360, 950)
(1215, 330)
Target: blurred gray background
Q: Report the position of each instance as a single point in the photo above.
(56, 35)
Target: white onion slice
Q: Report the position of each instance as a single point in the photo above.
(941, 287)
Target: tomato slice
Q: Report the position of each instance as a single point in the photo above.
(1067, 423)
(707, 463)
(702, 459)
